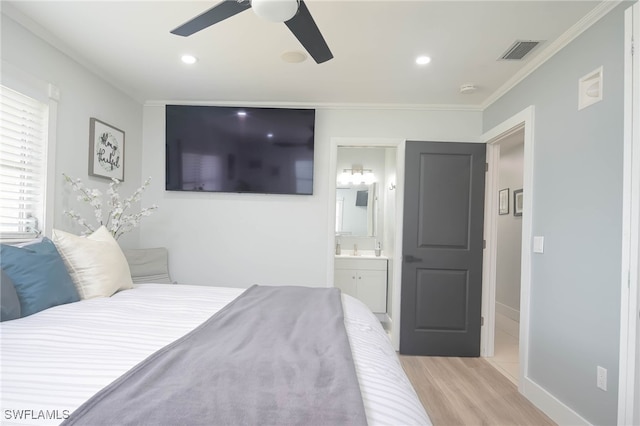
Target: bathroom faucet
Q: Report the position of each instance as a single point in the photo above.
(355, 249)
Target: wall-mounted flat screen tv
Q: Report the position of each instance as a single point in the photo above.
(233, 149)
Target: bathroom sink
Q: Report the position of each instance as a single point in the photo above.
(361, 254)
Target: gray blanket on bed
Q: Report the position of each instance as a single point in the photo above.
(273, 356)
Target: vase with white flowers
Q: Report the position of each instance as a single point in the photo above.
(118, 219)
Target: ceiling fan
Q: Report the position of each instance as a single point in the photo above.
(294, 13)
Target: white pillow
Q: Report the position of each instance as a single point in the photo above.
(96, 263)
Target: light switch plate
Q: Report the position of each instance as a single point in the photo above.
(538, 244)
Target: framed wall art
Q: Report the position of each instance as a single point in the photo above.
(503, 201)
(106, 150)
(517, 202)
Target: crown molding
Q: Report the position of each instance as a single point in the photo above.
(321, 105)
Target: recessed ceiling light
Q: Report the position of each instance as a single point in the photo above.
(242, 114)
(189, 59)
(269, 135)
(423, 60)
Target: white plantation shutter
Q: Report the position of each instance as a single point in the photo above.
(23, 146)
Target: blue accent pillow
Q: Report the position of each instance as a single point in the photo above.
(39, 275)
(10, 308)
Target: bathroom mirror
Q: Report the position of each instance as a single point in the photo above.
(356, 210)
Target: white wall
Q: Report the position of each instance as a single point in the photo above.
(82, 95)
(244, 239)
(509, 232)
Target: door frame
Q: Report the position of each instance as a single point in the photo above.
(522, 120)
(399, 144)
(629, 365)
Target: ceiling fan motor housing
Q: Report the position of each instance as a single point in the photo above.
(275, 10)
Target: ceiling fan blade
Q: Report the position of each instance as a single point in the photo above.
(217, 13)
(306, 31)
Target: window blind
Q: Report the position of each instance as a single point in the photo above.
(23, 145)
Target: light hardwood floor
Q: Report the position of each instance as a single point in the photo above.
(469, 391)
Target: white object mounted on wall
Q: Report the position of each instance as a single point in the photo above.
(468, 88)
(590, 89)
(538, 244)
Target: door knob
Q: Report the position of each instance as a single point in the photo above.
(411, 259)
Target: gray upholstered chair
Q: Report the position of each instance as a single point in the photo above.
(149, 265)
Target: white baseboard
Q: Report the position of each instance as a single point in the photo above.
(550, 405)
(508, 311)
(507, 325)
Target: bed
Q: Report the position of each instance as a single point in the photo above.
(55, 360)
(81, 344)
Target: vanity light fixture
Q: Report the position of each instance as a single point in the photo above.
(357, 175)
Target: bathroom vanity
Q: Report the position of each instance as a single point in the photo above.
(363, 277)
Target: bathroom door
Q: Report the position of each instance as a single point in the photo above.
(442, 249)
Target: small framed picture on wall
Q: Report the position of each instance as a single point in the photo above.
(106, 150)
(503, 201)
(517, 202)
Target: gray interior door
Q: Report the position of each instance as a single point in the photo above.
(442, 249)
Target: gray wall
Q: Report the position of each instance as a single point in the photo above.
(83, 94)
(509, 233)
(577, 204)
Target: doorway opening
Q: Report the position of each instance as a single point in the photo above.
(388, 228)
(514, 132)
(508, 255)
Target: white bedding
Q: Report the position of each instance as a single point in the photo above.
(53, 361)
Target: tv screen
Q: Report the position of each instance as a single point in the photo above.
(233, 149)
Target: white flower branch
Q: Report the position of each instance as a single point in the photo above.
(118, 221)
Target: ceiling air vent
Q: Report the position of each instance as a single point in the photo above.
(519, 49)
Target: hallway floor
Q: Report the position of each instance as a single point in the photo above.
(505, 357)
